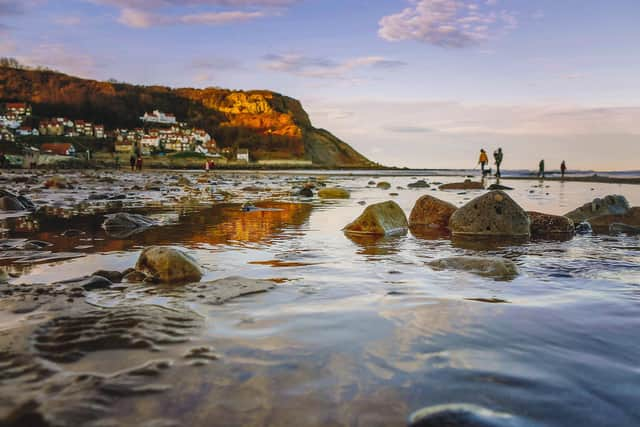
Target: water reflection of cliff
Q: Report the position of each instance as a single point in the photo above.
(219, 224)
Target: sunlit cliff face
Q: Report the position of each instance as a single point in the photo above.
(254, 111)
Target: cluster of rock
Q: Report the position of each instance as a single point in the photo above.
(493, 215)
(609, 214)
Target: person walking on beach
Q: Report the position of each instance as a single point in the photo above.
(497, 156)
(139, 164)
(117, 162)
(563, 168)
(541, 169)
(483, 160)
(132, 162)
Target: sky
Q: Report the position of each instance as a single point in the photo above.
(413, 83)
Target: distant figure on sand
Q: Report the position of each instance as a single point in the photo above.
(117, 162)
(483, 160)
(139, 163)
(563, 168)
(541, 169)
(132, 162)
(497, 156)
(207, 165)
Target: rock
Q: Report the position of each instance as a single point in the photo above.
(616, 228)
(466, 185)
(306, 192)
(183, 181)
(168, 264)
(371, 183)
(432, 212)
(113, 276)
(222, 290)
(386, 218)
(134, 277)
(550, 225)
(89, 283)
(419, 184)
(383, 185)
(602, 223)
(98, 197)
(123, 224)
(248, 207)
(498, 268)
(57, 182)
(493, 214)
(333, 193)
(95, 282)
(499, 187)
(461, 415)
(14, 202)
(584, 228)
(609, 205)
(72, 233)
(8, 203)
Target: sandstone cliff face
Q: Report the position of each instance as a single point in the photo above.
(270, 125)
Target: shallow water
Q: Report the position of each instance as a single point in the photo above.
(356, 331)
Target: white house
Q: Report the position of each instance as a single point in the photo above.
(159, 117)
(243, 155)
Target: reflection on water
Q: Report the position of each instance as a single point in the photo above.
(357, 330)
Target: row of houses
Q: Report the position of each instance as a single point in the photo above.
(16, 113)
(178, 137)
(61, 126)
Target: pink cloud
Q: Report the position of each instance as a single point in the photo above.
(447, 23)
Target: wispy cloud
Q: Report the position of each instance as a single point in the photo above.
(152, 13)
(447, 23)
(325, 68)
(142, 19)
(146, 4)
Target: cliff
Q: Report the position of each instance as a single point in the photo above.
(270, 125)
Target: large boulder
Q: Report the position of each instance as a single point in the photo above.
(493, 214)
(333, 193)
(609, 205)
(545, 225)
(431, 212)
(167, 264)
(603, 222)
(466, 185)
(383, 185)
(386, 218)
(495, 267)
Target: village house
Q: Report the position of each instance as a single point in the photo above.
(242, 155)
(159, 117)
(51, 127)
(18, 109)
(99, 132)
(27, 131)
(59, 148)
(6, 135)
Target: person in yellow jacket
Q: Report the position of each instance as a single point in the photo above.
(483, 160)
